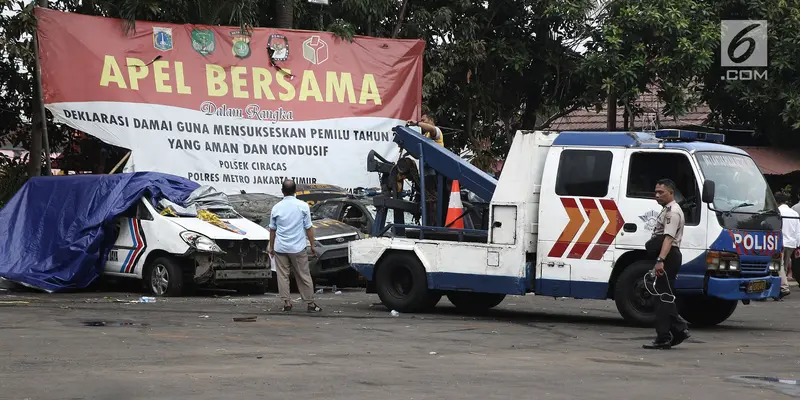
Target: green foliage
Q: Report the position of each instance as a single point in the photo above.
(13, 174)
(770, 106)
(661, 45)
(493, 67)
(16, 63)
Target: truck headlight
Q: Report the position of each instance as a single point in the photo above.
(200, 242)
(722, 260)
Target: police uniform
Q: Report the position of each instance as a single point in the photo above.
(670, 222)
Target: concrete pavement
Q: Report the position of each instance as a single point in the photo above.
(99, 346)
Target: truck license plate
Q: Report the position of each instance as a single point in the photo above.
(756, 286)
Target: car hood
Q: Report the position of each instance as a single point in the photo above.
(327, 227)
(246, 228)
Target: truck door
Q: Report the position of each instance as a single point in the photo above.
(642, 169)
(578, 221)
(131, 242)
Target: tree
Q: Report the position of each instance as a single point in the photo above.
(492, 68)
(665, 46)
(771, 106)
(19, 116)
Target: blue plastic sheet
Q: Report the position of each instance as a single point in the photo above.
(54, 233)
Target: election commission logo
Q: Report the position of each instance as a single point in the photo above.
(278, 47)
(203, 41)
(315, 50)
(743, 49)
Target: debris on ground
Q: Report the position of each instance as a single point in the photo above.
(244, 319)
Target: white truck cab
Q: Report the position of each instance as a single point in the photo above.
(569, 217)
(173, 253)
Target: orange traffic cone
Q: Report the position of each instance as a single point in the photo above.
(455, 208)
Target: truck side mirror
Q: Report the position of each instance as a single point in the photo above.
(708, 191)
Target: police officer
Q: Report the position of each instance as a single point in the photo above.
(671, 329)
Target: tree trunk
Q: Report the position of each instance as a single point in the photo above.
(35, 152)
(400, 19)
(469, 120)
(284, 14)
(611, 117)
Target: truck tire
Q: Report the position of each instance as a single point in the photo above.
(633, 301)
(402, 284)
(165, 277)
(475, 302)
(703, 311)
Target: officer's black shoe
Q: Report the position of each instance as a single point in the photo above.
(657, 345)
(679, 338)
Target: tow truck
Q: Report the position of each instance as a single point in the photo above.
(569, 217)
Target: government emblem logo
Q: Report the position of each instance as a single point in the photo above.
(241, 44)
(203, 41)
(278, 47)
(162, 38)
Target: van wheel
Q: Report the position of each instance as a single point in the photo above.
(636, 305)
(165, 277)
(402, 284)
(475, 302)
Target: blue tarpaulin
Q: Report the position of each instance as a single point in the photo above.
(54, 233)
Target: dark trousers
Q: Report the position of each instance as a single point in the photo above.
(667, 317)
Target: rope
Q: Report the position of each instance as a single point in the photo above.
(652, 274)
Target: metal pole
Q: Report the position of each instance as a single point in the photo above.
(40, 95)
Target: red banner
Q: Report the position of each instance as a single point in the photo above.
(208, 102)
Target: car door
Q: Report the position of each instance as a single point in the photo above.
(131, 242)
(642, 169)
(579, 220)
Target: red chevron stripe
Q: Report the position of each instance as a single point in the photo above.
(615, 223)
(573, 226)
(595, 223)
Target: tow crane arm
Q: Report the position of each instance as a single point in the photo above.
(437, 168)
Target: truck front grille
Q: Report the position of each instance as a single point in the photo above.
(754, 269)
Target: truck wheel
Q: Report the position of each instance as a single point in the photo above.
(634, 302)
(402, 284)
(475, 302)
(165, 277)
(703, 311)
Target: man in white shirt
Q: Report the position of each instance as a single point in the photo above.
(791, 235)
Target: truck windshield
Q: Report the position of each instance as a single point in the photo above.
(742, 195)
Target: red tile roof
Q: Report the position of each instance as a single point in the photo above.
(589, 120)
(772, 160)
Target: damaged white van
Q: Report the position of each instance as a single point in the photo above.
(173, 249)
